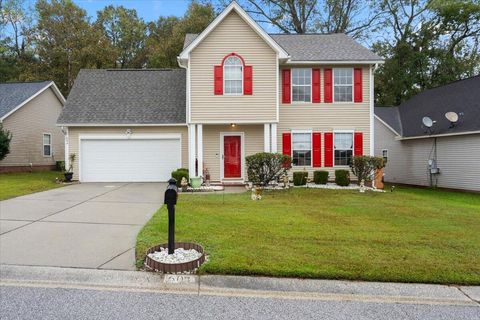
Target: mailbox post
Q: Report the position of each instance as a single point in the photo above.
(171, 195)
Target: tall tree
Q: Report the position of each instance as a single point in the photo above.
(353, 17)
(426, 43)
(67, 42)
(168, 33)
(127, 34)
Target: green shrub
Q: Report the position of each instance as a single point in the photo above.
(342, 177)
(320, 177)
(362, 167)
(179, 174)
(60, 166)
(300, 178)
(265, 167)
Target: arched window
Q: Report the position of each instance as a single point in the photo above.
(233, 75)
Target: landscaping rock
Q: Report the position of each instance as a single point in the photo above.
(180, 255)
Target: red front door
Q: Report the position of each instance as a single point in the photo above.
(232, 157)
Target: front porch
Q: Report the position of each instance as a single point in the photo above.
(221, 148)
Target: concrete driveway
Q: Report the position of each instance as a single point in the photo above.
(92, 225)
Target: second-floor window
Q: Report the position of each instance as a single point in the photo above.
(301, 85)
(233, 76)
(343, 84)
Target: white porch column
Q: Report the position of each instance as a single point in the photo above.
(191, 150)
(200, 149)
(273, 131)
(266, 137)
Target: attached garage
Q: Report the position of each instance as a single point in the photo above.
(122, 159)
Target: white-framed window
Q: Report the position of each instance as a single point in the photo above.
(301, 148)
(343, 84)
(47, 145)
(302, 85)
(233, 76)
(385, 155)
(343, 148)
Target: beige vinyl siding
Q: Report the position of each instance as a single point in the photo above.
(326, 117)
(233, 34)
(253, 135)
(457, 158)
(75, 132)
(27, 125)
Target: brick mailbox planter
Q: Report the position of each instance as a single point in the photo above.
(189, 266)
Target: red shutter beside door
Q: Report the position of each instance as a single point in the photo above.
(317, 149)
(328, 143)
(327, 74)
(358, 144)
(315, 85)
(286, 86)
(218, 80)
(357, 81)
(247, 80)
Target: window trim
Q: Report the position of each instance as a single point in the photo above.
(43, 144)
(333, 146)
(292, 132)
(333, 85)
(291, 86)
(242, 76)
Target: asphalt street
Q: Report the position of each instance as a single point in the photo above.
(25, 302)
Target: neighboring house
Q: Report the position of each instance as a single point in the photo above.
(409, 145)
(29, 110)
(241, 91)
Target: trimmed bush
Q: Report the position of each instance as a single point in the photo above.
(265, 167)
(179, 174)
(60, 166)
(362, 168)
(300, 178)
(320, 177)
(342, 178)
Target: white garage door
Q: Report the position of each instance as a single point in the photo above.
(133, 160)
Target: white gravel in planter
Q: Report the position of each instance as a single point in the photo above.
(334, 186)
(205, 189)
(179, 256)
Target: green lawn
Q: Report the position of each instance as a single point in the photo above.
(410, 235)
(19, 184)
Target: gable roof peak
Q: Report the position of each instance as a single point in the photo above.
(233, 6)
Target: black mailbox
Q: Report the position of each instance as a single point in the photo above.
(170, 200)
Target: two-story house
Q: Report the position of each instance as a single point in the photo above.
(240, 91)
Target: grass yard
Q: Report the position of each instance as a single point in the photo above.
(410, 235)
(19, 184)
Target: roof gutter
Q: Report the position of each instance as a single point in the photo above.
(439, 135)
(346, 62)
(121, 124)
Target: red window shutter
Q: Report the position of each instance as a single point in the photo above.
(317, 149)
(327, 74)
(286, 91)
(247, 80)
(287, 143)
(357, 81)
(315, 85)
(218, 80)
(358, 144)
(328, 143)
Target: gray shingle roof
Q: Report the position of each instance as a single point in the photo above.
(462, 97)
(150, 96)
(12, 94)
(317, 47)
(390, 116)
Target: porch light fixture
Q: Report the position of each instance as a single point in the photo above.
(233, 125)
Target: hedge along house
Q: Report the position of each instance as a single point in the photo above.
(241, 91)
(29, 110)
(444, 155)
